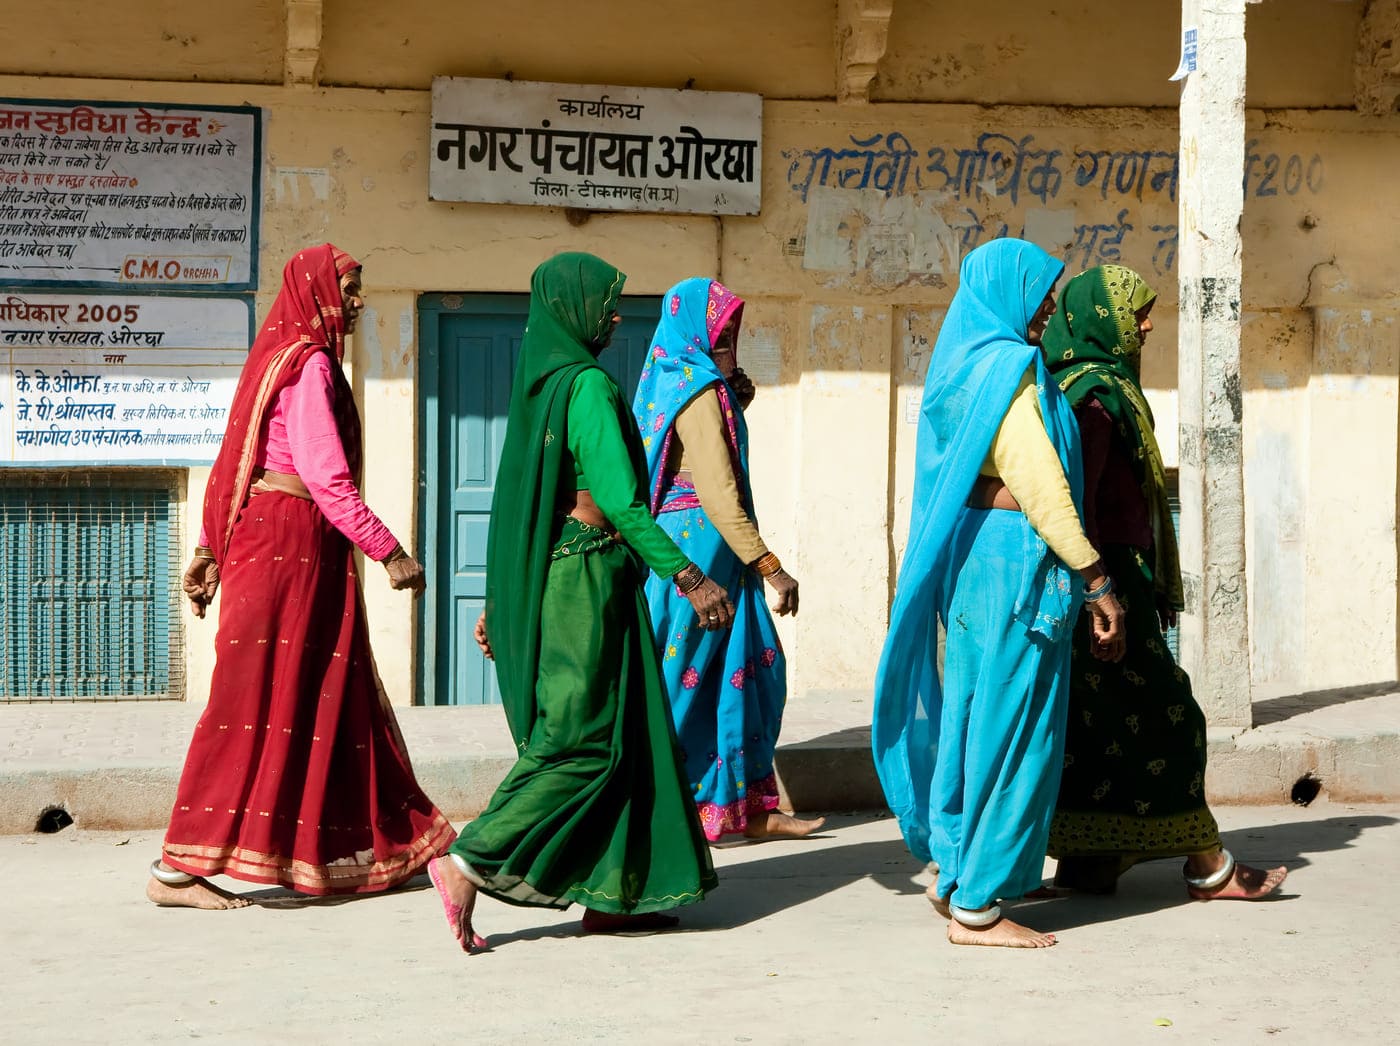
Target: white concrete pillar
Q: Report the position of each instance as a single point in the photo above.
(1214, 629)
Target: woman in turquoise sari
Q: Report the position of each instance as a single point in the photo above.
(596, 811)
(728, 687)
(970, 762)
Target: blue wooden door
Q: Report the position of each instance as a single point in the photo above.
(469, 347)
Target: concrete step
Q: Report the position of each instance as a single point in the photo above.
(116, 766)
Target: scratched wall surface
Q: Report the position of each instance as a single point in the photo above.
(889, 200)
(867, 212)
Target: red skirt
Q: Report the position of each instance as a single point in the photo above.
(297, 774)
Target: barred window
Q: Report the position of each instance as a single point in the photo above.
(89, 585)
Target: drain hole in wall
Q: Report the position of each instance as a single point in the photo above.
(1305, 789)
(54, 819)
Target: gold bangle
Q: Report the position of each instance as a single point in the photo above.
(203, 552)
(768, 564)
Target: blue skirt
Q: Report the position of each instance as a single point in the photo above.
(727, 688)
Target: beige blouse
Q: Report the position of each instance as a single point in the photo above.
(700, 447)
(1023, 457)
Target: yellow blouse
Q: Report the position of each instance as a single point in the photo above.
(1023, 458)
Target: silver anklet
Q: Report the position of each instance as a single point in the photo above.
(1215, 879)
(170, 877)
(974, 919)
(467, 870)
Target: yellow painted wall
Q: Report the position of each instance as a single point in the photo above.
(847, 286)
(240, 41)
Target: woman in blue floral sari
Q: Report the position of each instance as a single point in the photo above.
(727, 688)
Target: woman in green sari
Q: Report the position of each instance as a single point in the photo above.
(1133, 787)
(597, 809)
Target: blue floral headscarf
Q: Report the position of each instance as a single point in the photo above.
(680, 366)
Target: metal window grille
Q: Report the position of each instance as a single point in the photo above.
(89, 585)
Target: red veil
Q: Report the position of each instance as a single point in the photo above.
(307, 317)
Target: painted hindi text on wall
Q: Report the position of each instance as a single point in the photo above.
(880, 202)
(89, 379)
(108, 193)
(595, 148)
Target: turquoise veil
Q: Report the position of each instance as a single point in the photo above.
(978, 362)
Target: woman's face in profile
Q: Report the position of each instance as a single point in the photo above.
(724, 351)
(1041, 318)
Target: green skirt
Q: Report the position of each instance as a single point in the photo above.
(597, 810)
(1133, 786)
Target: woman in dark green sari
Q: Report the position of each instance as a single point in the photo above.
(597, 809)
(1133, 787)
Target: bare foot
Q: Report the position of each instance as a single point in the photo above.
(194, 893)
(778, 825)
(1001, 934)
(1247, 884)
(458, 896)
(606, 922)
(940, 904)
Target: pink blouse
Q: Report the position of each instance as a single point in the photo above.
(302, 438)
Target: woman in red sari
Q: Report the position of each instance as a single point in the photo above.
(297, 774)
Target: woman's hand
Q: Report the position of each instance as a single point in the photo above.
(712, 605)
(1109, 629)
(742, 385)
(405, 572)
(479, 634)
(200, 582)
(785, 587)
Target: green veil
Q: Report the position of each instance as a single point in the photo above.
(572, 300)
(1093, 348)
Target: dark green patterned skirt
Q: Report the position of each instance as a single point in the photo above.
(1133, 787)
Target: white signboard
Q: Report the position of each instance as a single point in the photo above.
(103, 193)
(88, 379)
(596, 148)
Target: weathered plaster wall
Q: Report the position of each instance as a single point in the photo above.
(879, 206)
(782, 48)
(1078, 52)
(848, 270)
(150, 40)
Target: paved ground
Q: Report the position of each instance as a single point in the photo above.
(823, 941)
(116, 764)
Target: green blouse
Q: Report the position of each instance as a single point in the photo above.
(603, 466)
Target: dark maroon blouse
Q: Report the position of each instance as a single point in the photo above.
(1115, 510)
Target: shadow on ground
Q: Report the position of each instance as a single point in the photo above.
(764, 879)
(1156, 885)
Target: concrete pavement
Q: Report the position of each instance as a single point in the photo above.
(116, 765)
(822, 941)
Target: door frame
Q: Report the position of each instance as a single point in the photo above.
(432, 308)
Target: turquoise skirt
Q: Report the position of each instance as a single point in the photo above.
(1001, 726)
